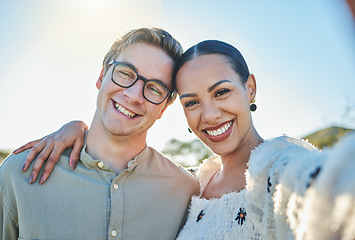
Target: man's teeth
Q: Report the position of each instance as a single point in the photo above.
(124, 111)
(219, 131)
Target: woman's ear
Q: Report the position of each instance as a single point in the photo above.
(99, 81)
(251, 87)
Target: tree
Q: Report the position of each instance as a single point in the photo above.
(189, 153)
(327, 137)
(3, 155)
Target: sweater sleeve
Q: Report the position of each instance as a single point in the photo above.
(267, 164)
(317, 194)
(325, 204)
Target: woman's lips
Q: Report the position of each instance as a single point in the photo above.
(219, 133)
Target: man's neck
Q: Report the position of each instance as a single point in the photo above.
(116, 151)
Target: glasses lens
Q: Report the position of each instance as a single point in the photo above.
(155, 91)
(123, 75)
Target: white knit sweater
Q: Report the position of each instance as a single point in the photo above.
(291, 187)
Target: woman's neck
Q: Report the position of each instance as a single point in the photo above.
(239, 158)
(231, 176)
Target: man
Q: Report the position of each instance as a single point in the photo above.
(121, 189)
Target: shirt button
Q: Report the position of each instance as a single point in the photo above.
(115, 186)
(114, 233)
(100, 164)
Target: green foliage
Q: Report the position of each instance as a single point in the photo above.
(327, 137)
(195, 148)
(3, 155)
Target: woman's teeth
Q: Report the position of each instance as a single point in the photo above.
(124, 111)
(219, 131)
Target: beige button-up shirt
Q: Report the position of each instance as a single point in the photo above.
(148, 200)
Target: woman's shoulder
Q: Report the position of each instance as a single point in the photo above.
(282, 142)
(207, 169)
(278, 149)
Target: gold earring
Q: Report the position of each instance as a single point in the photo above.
(253, 105)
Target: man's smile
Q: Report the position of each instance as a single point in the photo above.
(124, 111)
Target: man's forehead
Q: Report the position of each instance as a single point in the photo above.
(149, 61)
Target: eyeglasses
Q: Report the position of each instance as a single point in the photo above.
(124, 76)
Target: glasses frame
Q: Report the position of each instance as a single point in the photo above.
(115, 63)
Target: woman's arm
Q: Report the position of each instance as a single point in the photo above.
(71, 135)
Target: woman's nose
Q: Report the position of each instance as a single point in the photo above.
(210, 113)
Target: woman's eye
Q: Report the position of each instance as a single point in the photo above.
(190, 103)
(222, 92)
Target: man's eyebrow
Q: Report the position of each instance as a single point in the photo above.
(217, 84)
(188, 95)
(130, 65)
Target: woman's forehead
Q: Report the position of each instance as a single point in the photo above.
(205, 66)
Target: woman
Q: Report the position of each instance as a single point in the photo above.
(252, 188)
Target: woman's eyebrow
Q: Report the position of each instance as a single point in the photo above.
(209, 89)
(216, 84)
(188, 95)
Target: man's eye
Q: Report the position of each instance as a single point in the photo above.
(153, 90)
(190, 103)
(222, 92)
(125, 75)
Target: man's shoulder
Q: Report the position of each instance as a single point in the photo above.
(170, 167)
(14, 161)
(12, 165)
(10, 168)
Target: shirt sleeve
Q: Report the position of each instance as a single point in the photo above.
(8, 220)
(9, 227)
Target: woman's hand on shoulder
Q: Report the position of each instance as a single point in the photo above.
(71, 135)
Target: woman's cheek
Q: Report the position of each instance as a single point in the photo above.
(192, 118)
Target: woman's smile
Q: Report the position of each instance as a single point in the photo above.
(220, 132)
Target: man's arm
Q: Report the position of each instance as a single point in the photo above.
(8, 220)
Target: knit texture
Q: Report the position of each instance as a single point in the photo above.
(221, 218)
(293, 191)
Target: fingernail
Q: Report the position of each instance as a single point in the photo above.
(42, 180)
(72, 165)
(23, 167)
(31, 179)
(15, 151)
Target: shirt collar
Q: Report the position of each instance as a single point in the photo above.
(88, 161)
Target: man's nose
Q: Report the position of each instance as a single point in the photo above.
(135, 92)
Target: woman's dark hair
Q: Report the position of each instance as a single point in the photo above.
(232, 55)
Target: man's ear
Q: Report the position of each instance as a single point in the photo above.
(251, 87)
(99, 81)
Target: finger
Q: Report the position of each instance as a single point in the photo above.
(42, 157)
(52, 160)
(75, 154)
(28, 145)
(47, 171)
(31, 155)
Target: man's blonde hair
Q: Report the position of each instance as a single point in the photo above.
(154, 36)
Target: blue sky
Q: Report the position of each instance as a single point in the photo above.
(301, 52)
